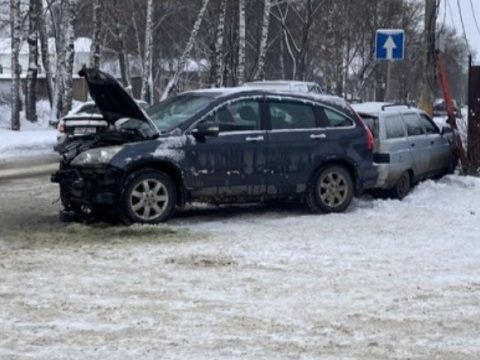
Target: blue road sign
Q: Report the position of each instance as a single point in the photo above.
(389, 44)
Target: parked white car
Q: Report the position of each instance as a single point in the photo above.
(286, 85)
(84, 119)
(409, 146)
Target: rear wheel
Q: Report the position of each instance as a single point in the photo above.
(402, 187)
(331, 190)
(149, 197)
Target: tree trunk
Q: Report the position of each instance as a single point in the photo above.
(241, 43)
(60, 49)
(219, 56)
(42, 32)
(186, 52)
(97, 32)
(32, 72)
(122, 51)
(16, 26)
(147, 58)
(69, 54)
(260, 73)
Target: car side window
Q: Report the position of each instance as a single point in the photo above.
(430, 127)
(412, 122)
(291, 115)
(241, 115)
(394, 127)
(335, 119)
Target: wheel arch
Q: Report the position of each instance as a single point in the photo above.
(165, 166)
(339, 162)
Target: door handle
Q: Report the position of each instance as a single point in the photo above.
(318, 136)
(413, 144)
(254, 138)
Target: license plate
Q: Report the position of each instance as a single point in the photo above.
(84, 130)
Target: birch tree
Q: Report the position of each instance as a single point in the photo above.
(97, 33)
(16, 31)
(32, 72)
(43, 36)
(69, 23)
(58, 15)
(186, 52)
(147, 58)
(260, 71)
(241, 43)
(219, 56)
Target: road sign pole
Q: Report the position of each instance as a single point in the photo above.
(388, 90)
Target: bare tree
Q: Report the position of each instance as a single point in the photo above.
(97, 33)
(186, 52)
(69, 26)
(260, 71)
(241, 43)
(43, 36)
(219, 55)
(147, 58)
(32, 72)
(16, 27)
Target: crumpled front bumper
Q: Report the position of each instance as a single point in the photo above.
(86, 189)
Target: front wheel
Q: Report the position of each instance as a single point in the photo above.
(331, 190)
(149, 197)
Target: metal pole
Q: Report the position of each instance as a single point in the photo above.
(388, 90)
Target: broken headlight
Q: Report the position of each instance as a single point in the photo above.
(96, 156)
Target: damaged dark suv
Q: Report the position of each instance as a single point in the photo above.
(215, 146)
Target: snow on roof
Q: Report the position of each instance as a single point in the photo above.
(6, 46)
(191, 65)
(81, 44)
(369, 107)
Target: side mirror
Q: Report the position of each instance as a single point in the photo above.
(204, 130)
(446, 130)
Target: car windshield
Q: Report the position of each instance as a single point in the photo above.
(171, 113)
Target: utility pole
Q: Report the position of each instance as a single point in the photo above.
(426, 99)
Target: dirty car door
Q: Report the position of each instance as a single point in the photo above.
(233, 163)
(440, 149)
(296, 144)
(419, 144)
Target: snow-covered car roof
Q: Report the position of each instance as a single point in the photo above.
(335, 101)
(374, 108)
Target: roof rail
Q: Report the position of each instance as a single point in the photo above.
(395, 105)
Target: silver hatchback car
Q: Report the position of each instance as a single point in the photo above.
(409, 146)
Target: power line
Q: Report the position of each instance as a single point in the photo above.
(463, 25)
(474, 16)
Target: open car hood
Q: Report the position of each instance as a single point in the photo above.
(110, 97)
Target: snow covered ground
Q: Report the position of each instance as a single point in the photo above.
(387, 279)
(33, 138)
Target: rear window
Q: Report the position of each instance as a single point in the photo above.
(372, 123)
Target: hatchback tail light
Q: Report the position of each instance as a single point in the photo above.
(61, 128)
(370, 139)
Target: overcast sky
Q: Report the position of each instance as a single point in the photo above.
(470, 10)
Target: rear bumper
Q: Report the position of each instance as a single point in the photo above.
(388, 175)
(369, 179)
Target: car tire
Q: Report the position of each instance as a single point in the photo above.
(402, 187)
(149, 197)
(331, 190)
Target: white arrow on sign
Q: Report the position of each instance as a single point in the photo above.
(389, 46)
